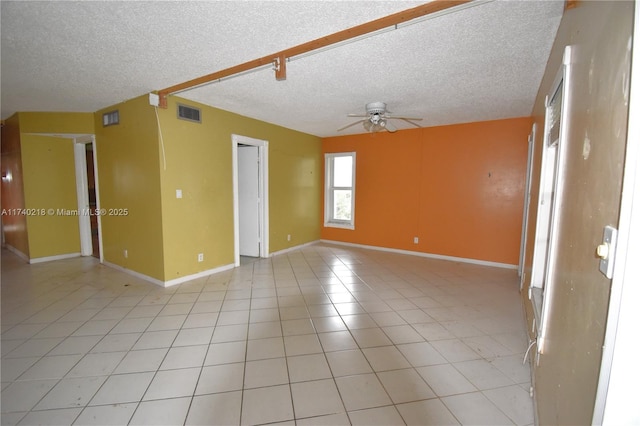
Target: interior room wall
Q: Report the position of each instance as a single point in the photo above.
(57, 122)
(566, 377)
(146, 158)
(458, 189)
(14, 224)
(42, 177)
(128, 158)
(199, 163)
(50, 192)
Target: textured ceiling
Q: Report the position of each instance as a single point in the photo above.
(479, 63)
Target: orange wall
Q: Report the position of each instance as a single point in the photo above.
(458, 188)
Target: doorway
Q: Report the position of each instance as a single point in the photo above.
(88, 198)
(250, 197)
(248, 201)
(93, 205)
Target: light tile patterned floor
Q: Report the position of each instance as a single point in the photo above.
(325, 335)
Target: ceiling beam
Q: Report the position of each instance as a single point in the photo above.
(570, 4)
(279, 59)
(281, 67)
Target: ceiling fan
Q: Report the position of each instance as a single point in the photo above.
(377, 118)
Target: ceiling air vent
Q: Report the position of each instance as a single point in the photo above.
(189, 113)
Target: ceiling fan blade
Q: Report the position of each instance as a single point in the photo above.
(349, 125)
(408, 120)
(400, 117)
(390, 127)
(378, 118)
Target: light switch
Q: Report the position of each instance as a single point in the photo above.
(606, 251)
(178, 193)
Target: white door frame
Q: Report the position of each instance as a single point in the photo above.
(263, 193)
(527, 202)
(82, 188)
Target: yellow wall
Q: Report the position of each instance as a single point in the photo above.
(56, 122)
(50, 181)
(128, 178)
(43, 173)
(162, 234)
(50, 192)
(198, 161)
(14, 224)
(295, 188)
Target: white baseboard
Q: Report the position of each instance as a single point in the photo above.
(298, 247)
(429, 255)
(134, 273)
(17, 252)
(170, 282)
(199, 275)
(51, 258)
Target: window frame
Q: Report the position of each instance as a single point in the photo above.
(554, 154)
(329, 220)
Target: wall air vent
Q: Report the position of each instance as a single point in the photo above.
(110, 118)
(189, 113)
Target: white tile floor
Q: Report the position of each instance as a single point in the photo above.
(326, 335)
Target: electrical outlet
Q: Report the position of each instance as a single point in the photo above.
(415, 240)
(200, 257)
(178, 193)
(126, 253)
(288, 237)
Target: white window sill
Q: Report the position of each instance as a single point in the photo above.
(339, 225)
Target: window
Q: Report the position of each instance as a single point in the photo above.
(550, 198)
(340, 190)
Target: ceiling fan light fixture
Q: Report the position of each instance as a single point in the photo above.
(376, 118)
(374, 124)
